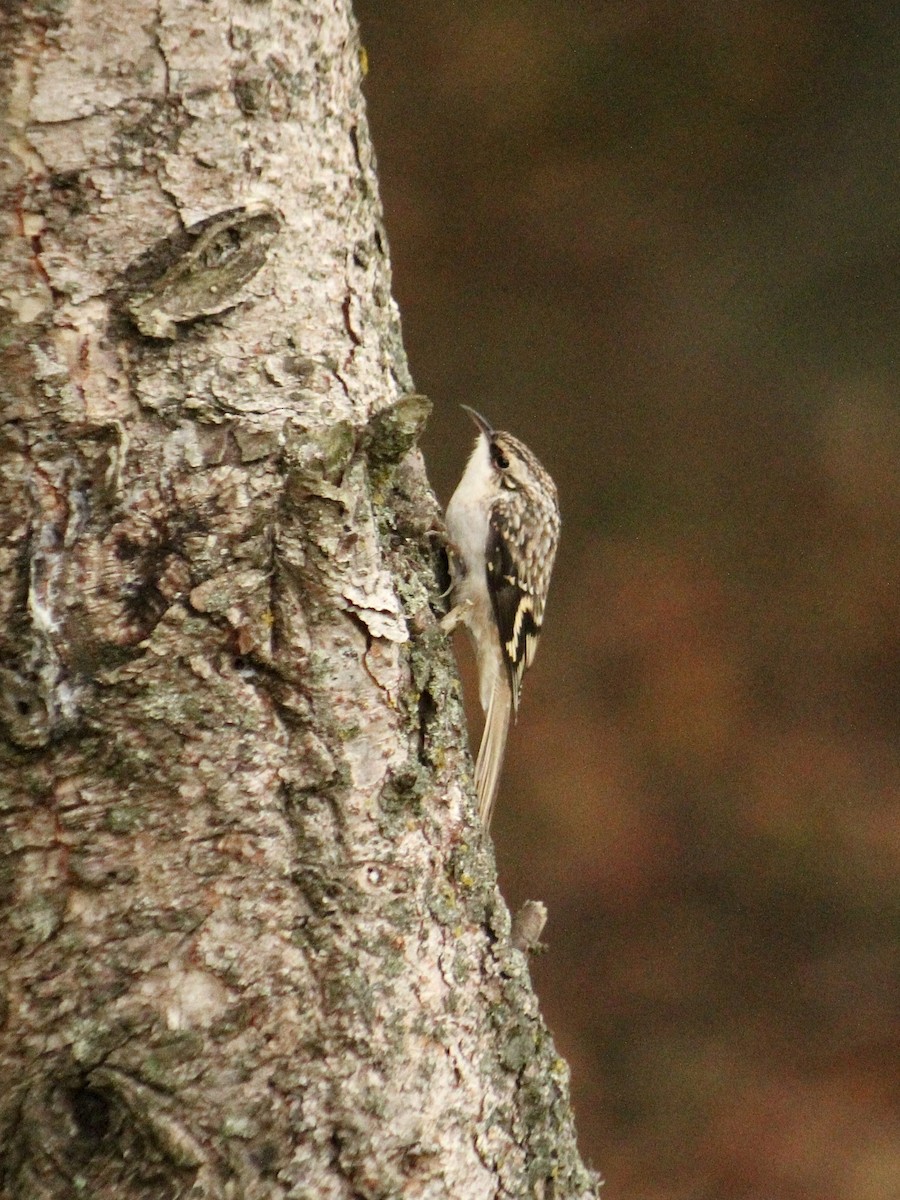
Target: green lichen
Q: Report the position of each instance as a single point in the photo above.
(123, 818)
(472, 874)
(178, 1046)
(207, 266)
(92, 1041)
(318, 455)
(441, 901)
(349, 991)
(518, 1049)
(393, 431)
(158, 1072)
(404, 791)
(38, 918)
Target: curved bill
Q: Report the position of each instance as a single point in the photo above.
(479, 420)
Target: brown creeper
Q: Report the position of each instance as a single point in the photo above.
(503, 530)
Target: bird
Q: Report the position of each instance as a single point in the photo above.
(503, 527)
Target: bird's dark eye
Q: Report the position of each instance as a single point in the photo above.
(499, 458)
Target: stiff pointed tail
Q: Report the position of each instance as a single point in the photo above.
(492, 749)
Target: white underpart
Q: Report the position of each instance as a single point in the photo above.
(467, 528)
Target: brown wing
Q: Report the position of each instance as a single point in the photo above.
(518, 612)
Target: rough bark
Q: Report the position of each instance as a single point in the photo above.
(251, 940)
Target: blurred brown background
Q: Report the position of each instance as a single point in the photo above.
(661, 243)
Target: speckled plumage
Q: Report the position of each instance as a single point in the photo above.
(503, 525)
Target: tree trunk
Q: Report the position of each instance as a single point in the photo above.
(251, 936)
